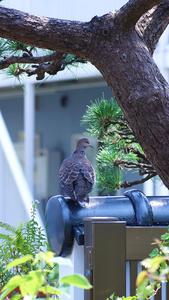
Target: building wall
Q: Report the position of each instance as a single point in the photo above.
(56, 120)
(53, 121)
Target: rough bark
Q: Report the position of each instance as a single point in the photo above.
(150, 27)
(120, 44)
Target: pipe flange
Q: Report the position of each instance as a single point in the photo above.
(142, 207)
(58, 226)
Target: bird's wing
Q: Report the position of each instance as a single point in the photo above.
(68, 171)
(69, 190)
(67, 175)
(89, 172)
(89, 175)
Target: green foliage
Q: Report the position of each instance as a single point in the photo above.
(3, 47)
(100, 115)
(17, 48)
(18, 60)
(43, 280)
(25, 239)
(100, 120)
(77, 280)
(118, 148)
(113, 297)
(108, 179)
(156, 268)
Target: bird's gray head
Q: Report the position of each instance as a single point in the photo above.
(83, 144)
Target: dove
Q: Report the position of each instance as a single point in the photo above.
(77, 175)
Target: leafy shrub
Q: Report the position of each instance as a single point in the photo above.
(28, 238)
(42, 280)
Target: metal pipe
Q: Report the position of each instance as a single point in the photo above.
(29, 131)
(65, 218)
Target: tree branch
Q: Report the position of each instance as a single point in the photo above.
(132, 11)
(60, 35)
(52, 68)
(127, 184)
(25, 59)
(152, 24)
(134, 165)
(140, 154)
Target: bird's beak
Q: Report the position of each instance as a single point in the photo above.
(90, 146)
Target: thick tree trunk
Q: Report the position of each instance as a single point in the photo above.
(122, 55)
(141, 92)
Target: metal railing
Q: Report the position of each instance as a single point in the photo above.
(113, 252)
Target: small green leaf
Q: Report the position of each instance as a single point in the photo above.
(146, 262)
(112, 297)
(37, 276)
(77, 280)
(165, 236)
(50, 290)
(47, 257)
(165, 249)
(23, 290)
(6, 293)
(142, 287)
(16, 297)
(15, 282)
(19, 261)
(163, 265)
(154, 253)
(31, 287)
(153, 263)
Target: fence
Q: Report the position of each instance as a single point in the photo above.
(113, 252)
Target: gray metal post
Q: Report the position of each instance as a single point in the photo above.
(105, 257)
(29, 133)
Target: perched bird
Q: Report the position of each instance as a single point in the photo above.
(77, 175)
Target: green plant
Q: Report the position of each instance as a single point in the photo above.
(21, 59)
(118, 148)
(44, 279)
(28, 238)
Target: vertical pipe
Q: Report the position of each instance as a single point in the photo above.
(139, 267)
(128, 276)
(148, 188)
(29, 128)
(164, 291)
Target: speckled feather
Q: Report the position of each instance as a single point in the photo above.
(77, 175)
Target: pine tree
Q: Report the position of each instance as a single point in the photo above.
(119, 152)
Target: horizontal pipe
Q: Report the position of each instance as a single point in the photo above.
(65, 218)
